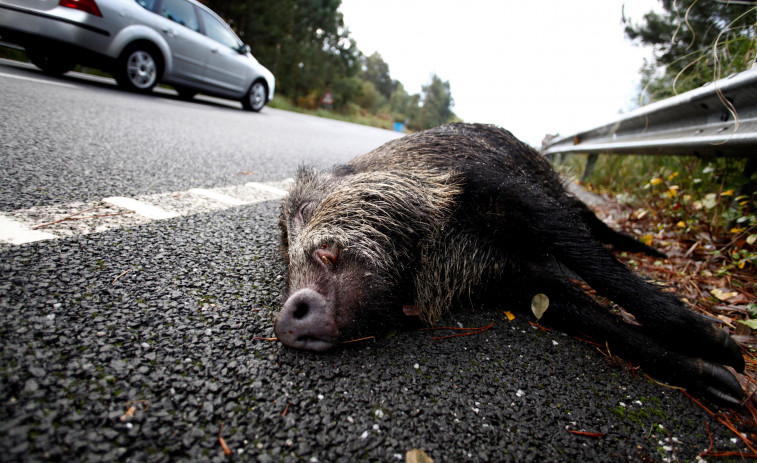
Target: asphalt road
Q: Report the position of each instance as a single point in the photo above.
(138, 342)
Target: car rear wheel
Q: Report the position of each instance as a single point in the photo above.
(256, 97)
(138, 69)
(49, 61)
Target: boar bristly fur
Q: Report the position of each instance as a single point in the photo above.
(465, 215)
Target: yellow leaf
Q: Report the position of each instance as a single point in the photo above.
(672, 192)
(656, 181)
(672, 176)
(509, 315)
(723, 295)
(727, 193)
(539, 305)
(647, 239)
(737, 230)
(681, 224)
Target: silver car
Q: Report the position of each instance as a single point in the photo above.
(141, 42)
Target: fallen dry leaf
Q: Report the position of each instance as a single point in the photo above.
(724, 295)
(417, 456)
(539, 305)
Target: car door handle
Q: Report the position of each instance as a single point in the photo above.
(169, 31)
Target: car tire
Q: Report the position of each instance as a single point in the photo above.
(139, 69)
(256, 97)
(50, 62)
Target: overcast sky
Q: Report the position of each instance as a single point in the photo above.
(531, 66)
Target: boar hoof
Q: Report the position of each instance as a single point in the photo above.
(307, 322)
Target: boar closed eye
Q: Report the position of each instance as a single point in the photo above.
(305, 213)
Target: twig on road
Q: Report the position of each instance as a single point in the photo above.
(74, 217)
(119, 276)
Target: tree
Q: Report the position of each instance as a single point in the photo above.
(404, 107)
(436, 104)
(376, 71)
(303, 42)
(694, 42)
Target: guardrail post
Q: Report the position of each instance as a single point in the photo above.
(591, 160)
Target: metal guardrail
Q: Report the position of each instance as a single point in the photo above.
(718, 119)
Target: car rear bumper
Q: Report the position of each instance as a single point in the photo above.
(28, 26)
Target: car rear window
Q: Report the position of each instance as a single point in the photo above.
(217, 31)
(182, 12)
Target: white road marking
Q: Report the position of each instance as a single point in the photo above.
(268, 188)
(80, 218)
(17, 233)
(220, 197)
(32, 79)
(140, 208)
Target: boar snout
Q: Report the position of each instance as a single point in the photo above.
(307, 322)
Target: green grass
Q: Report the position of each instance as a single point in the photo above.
(355, 116)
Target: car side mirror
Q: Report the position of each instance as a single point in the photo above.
(244, 49)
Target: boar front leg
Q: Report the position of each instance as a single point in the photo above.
(572, 310)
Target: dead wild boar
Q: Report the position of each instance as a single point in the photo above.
(467, 214)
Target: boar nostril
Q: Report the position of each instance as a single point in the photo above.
(301, 310)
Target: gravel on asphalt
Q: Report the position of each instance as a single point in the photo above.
(139, 345)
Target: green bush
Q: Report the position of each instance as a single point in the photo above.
(691, 198)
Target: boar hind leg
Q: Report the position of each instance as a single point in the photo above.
(572, 310)
(561, 233)
(606, 235)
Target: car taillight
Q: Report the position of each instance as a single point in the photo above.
(88, 6)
